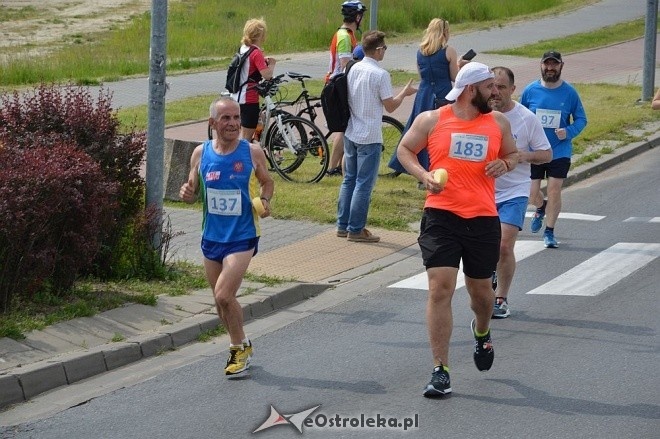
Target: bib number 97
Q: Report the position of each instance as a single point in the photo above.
(549, 118)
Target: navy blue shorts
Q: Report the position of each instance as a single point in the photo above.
(218, 251)
(446, 238)
(557, 168)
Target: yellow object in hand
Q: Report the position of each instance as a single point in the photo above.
(440, 176)
(258, 206)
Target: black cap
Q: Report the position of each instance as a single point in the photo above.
(551, 55)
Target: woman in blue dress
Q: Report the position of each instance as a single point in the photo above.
(437, 64)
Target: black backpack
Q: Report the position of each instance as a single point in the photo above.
(334, 101)
(234, 84)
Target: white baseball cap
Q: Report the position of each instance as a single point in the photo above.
(471, 73)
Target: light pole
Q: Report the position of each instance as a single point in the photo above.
(651, 26)
(373, 15)
(156, 115)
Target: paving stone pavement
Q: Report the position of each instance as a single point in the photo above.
(307, 253)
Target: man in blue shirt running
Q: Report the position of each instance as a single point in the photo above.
(558, 107)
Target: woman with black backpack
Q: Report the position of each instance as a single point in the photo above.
(255, 68)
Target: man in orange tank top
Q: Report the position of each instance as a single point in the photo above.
(460, 223)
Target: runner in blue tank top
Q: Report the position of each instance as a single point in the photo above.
(229, 172)
(225, 183)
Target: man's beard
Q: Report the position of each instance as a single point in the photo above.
(481, 103)
(546, 78)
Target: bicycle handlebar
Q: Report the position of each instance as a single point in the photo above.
(268, 87)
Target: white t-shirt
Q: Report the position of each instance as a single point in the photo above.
(529, 135)
(368, 86)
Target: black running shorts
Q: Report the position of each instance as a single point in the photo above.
(249, 115)
(557, 168)
(445, 239)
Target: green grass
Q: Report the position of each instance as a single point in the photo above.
(197, 108)
(12, 14)
(583, 41)
(204, 34)
(189, 109)
(84, 300)
(269, 281)
(605, 125)
(90, 297)
(210, 334)
(397, 202)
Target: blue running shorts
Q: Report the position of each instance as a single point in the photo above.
(513, 211)
(218, 251)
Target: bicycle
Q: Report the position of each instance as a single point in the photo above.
(295, 148)
(306, 106)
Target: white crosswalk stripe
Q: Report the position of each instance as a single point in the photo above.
(590, 278)
(642, 219)
(603, 270)
(572, 216)
(523, 249)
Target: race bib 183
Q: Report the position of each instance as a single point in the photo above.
(471, 147)
(224, 202)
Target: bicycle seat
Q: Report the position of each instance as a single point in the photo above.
(294, 75)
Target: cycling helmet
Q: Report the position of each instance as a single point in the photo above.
(350, 9)
(358, 52)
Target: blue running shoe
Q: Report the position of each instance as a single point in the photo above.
(549, 239)
(537, 221)
(501, 308)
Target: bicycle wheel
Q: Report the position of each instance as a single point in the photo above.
(300, 153)
(392, 133)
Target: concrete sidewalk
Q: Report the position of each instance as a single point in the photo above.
(71, 351)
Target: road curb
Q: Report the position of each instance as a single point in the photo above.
(607, 161)
(21, 383)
